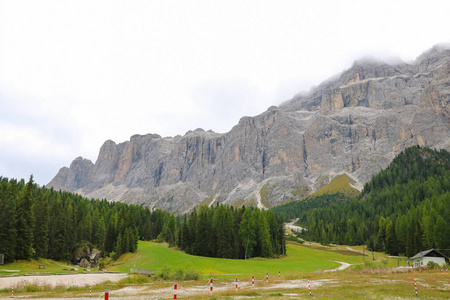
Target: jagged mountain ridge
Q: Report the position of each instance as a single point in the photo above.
(353, 124)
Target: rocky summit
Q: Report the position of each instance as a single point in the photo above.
(354, 124)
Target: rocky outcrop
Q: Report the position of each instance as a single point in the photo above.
(353, 124)
(75, 177)
(85, 255)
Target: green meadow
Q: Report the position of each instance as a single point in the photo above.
(30, 267)
(298, 263)
(365, 279)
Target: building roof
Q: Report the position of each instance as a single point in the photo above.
(429, 253)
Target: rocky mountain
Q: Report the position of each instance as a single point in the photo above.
(354, 123)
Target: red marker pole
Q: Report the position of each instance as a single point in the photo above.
(267, 277)
(90, 291)
(12, 291)
(175, 291)
(211, 283)
(253, 281)
(415, 286)
(309, 286)
(279, 275)
(235, 280)
(106, 294)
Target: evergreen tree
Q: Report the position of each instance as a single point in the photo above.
(41, 230)
(223, 223)
(203, 240)
(58, 248)
(8, 228)
(391, 239)
(25, 223)
(264, 236)
(247, 232)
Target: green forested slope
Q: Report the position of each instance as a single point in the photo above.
(227, 232)
(39, 222)
(403, 209)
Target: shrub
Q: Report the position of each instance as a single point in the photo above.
(135, 279)
(190, 274)
(178, 274)
(164, 274)
(32, 288)
(432, 265)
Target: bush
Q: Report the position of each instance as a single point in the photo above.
(190, 274)
(135, 279)
(178, 274)
(432, 265)
(32, 288)
(101, 265)
(164, 274)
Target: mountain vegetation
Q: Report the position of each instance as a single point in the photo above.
(226, 232)
(404, 209)
(40, 222)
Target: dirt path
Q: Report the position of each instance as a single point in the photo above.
(291, 226)
(343, 266)
(61, 280)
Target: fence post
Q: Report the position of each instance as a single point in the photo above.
(415, 286)
(267, 277)
(175, 291)
(253, 281)
(106, 294)
(211, 283)
(309, 286)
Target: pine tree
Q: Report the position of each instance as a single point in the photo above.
(41, 231)
(223, 223)
(118, 247)
(203, 240)
(25, 223)
(247, 232)
(391, 239)
(264, 236)
(8, 231)
(57, 249)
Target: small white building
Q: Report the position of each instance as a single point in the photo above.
(422, 258)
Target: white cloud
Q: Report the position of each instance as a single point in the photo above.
(87, 71)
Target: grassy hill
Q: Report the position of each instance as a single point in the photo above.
(341, 184)
(301, 260)
(337, 191)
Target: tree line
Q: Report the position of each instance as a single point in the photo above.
(36, 222)
(227, 232)
(39, 222)
(404, 209)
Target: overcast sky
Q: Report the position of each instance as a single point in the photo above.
(76, 73)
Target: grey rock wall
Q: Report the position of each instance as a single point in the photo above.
(355, 124)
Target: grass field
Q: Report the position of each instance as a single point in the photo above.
(22, 267)
(365, 279)
(300, 261)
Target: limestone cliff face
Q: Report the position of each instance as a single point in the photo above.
(354, 124)
(75, 177)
